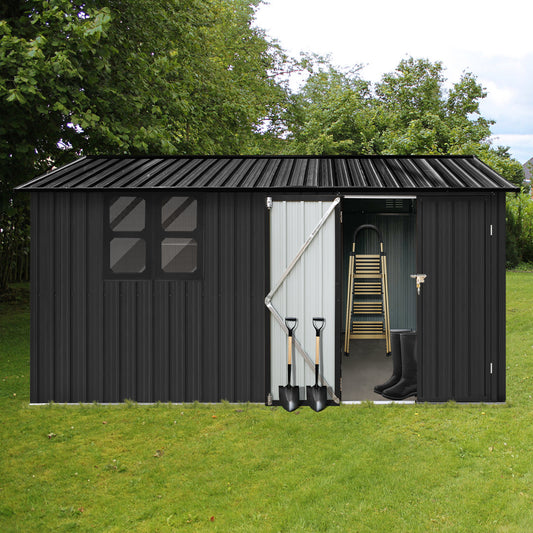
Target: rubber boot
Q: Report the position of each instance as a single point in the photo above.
(396, 361)
(408, 383)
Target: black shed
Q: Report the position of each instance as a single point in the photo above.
(167, 278)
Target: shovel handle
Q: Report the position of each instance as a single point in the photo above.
(291, 324)
(289, 349)
(318, 324)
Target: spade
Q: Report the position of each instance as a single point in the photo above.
(289, 396)
(317, 396)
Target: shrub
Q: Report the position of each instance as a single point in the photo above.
(519, 222)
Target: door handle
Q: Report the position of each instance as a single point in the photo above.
(420, 278)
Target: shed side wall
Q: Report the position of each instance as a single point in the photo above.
(147, 340)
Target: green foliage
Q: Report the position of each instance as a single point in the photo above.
(409, 112)
(47, 51)
(95, 76)
(14, 245)
(253, 468)
(332, 115)
(519, 236)
(421, 117)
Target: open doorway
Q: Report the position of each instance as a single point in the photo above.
(395, 217)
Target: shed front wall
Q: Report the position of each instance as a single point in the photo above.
(107, 340)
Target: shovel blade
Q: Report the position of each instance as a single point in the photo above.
(317, 397)
(289, 397)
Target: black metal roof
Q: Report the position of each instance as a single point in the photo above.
(295, 173)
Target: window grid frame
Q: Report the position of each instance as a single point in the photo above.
(153, 235)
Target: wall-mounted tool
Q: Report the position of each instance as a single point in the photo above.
(420, 278)
(289, 396)
(317, 396)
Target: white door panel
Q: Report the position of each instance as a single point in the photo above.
(307, 291)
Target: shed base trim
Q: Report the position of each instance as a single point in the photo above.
(86, 404)
(379, 402)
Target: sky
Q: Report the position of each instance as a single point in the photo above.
(493, 40)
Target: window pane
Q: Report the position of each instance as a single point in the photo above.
(127, 213)
(179, 214)
(179, 255)
(127, 255)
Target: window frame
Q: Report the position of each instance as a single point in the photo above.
(153, 235)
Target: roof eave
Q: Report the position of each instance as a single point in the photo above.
(300, 190)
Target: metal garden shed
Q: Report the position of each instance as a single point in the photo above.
(167, 278)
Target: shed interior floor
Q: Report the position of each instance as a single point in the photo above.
(366, 367)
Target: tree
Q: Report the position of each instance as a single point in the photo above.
(201, 78)
(422, 117)
(112, 76)
(44, 55)
(332, 114)
(409, 112)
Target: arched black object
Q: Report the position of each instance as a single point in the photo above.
(368, 226)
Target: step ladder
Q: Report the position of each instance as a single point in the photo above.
(367, 302)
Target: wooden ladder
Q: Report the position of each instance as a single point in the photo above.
(367, 302)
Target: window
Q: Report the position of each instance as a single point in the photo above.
(127, 255)
(179, 248)
(178, 255)
(127, 246)
(179, 214)
(155, 236)
(127, 213)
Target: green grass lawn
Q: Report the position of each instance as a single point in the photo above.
(254, 468)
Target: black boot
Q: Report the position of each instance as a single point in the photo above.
(407, 385)
(396, 361)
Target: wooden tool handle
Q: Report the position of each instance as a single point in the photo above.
(317, 358)
(290, 350)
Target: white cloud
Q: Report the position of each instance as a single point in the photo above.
(490, 39)
(521, 144)
(379, 32)
(499, 95)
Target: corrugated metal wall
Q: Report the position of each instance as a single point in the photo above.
(207, 339)
(308, 291)
(148, 340)
(461, 320)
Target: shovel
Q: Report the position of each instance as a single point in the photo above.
(317, 396)
(289, 396)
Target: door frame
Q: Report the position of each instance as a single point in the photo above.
(299, 197)
(341, 274)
